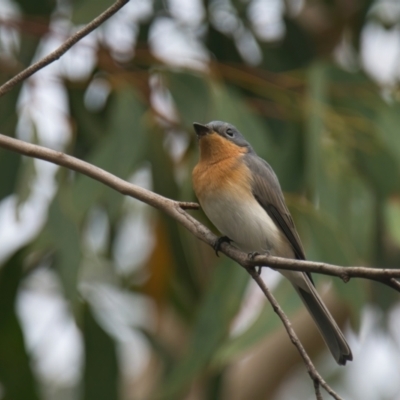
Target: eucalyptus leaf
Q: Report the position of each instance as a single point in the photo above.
(100, 376)
(16, 376)
(219, 305)
(119, 152)
(191, 95)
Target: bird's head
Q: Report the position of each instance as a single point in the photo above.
(219, 140)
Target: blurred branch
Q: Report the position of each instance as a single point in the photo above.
(175, 209)
(56, 54)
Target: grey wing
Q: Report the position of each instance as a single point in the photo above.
(268, 193)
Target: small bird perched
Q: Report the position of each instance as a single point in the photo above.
(241, 195)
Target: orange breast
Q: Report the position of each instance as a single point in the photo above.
(220, 168)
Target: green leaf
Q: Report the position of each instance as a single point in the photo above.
(26, 175)
(266, 322)
(119, 152)
(16, 377)
(184, 289)
(228, 105)
(220, 304)
(9, 165)
(85, 10)
(317, 86)
(37, 8)
(388, 121)
(322, 237)
(62, 234)
(88, 125)
(325, 240)
(392, 220)
(223, 47)
(191, 95)
(379, 167)
(101, 371)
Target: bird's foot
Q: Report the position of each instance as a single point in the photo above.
(252, 256)
(219, 241)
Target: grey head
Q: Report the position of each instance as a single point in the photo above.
(223, 129)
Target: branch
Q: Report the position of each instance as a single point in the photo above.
(64, 160)
(383, 275)
(56, 54)
(175, 209)
(314, 375)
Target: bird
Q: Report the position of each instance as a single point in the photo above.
(241, 195)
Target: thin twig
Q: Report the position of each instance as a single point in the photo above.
(317, 390)
(387, 276)
(56, 54)
(314, 375)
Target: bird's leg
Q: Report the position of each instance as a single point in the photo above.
(219, 241)
(252, 256)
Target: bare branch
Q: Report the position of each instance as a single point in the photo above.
(56, 54)
(384, 275)
(124, 187)
(314, 375)
(177, 211)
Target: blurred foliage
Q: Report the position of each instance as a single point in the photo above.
(325, 126)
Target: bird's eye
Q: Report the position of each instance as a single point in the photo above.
(229, 132)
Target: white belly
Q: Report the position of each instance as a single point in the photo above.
(247, 224)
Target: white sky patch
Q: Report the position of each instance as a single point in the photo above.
(248, 47)
(18, 229)
(189, 12)
(380, 52)
(50, 331)
(374, 372)
(9, 37)
(253, 301)
(79, 62)
(161, 99)
(119, 33)
(96, 94)
(267, 19)
(176, 144)
(14, 233)
(44, 100)
(386, 10)
(120, 313)
(224, 17)
(96, 232)
(138, 10)
(135, 240)
(175, 46)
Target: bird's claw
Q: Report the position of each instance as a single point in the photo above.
(219, 241)
(252, 256)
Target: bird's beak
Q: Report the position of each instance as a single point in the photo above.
(201, 130)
